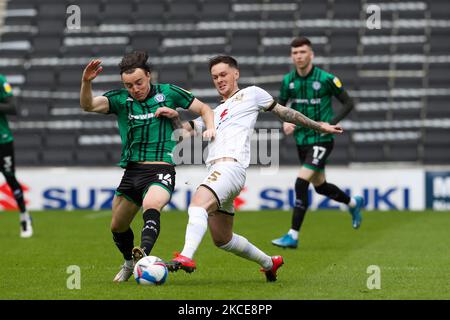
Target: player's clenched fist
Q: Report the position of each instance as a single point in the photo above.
(209, 134)
(92, 70)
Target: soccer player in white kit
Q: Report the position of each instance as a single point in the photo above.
(228, 158)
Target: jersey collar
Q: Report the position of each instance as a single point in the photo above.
(151, 93)
(308, 75)
(223, 100)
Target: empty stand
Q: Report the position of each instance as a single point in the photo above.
(398, 75)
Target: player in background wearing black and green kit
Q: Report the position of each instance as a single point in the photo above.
(7, 166)
(309, 90)
(147, 146)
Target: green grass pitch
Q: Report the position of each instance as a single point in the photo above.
(410, 248)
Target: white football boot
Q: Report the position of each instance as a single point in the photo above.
(124, 274)
(26, 228)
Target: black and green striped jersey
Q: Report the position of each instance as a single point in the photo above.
(145, 137)
(310, 95)
(5, 91)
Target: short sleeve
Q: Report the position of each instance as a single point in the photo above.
(335, 85)
(283, 97)
(5, 88)
(264, 100)
(199, 124)
(114, 98)
(180, 97)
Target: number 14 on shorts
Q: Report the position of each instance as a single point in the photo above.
(165, 179)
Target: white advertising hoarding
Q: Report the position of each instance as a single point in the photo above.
(93, 188)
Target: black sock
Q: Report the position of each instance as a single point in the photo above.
(17, 192)
(151, 229)
(301, 203)
(333, 192)
(125, 242)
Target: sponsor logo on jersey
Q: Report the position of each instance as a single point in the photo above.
(141, 116)
(316, 85)
(239, 97)
(291, 85)
(308, 101)
(337, 82)
(160, 97)
(7, 87)
(223, 114)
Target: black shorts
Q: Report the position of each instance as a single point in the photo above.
(139, 177)
(314, 156)
(7, 165)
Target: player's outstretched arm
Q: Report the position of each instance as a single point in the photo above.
(292, 116)
(207, 115)
(89, 103)
(174, 116)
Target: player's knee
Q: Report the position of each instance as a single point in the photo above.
(220, 240)
(117, 226)
(153, 204)
(320, 189)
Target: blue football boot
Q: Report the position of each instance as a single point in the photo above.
(286, 241)
(356, 212)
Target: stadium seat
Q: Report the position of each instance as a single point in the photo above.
(245, 43)
(93, 157)
(58, 157)
(174, 74)
(313, 9)
(346, 10)
(27, 157)
(403, 151)
(46, 46)
(360, 57)
(438, 9)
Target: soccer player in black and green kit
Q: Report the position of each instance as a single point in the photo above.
(147, 146)
(310, 89)
(7, 164)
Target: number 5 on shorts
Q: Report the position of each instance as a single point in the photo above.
(214, 176)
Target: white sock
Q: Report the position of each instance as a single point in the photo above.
(241, 247)
(293, 233)
(195, 230)
(129, 263)
(24, 216)
(352, 202)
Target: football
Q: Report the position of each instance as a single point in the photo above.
(150, 270)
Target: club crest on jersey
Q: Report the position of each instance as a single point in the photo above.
(337, 82)
(160, 97)
(291, 85)
(316, 85)
(7, 87)
(239, 97)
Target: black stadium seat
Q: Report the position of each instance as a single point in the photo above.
(383, 69)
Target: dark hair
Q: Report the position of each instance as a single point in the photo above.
(301, 41)
(134, 60)
(229, 60)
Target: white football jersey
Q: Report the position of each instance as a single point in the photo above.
(235, 120)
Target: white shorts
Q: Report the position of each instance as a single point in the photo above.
(225, 180)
